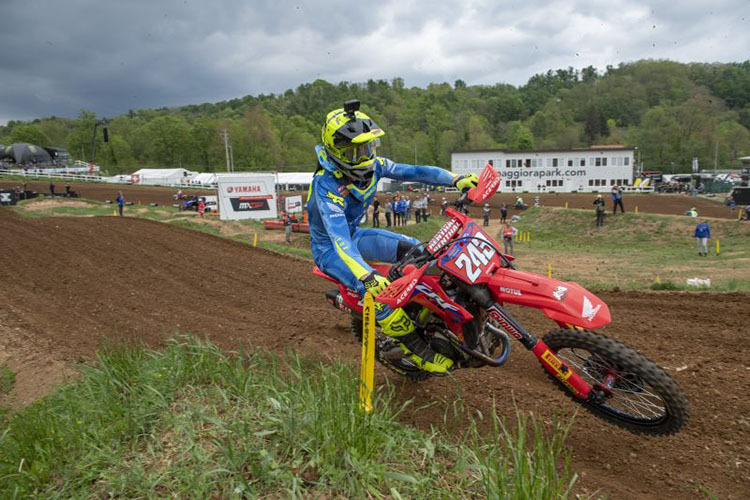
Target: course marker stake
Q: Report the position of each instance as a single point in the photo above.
(636, 209)
(255, 239)
(367, 371)
(549, 270)
(717, 248)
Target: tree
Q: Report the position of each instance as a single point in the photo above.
(170, 141)
(29, 133)
(520, 137)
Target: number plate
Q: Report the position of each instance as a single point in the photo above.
(473, 260)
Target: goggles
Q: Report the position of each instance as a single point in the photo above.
(357, 153)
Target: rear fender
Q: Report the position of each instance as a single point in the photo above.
(564, 302)
(351, 297)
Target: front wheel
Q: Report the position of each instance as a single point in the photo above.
(630, 390)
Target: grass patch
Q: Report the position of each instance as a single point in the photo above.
(7, 380)
(192, 421)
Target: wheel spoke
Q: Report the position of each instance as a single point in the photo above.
(627, 396)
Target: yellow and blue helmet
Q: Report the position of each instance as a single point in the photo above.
(351, 137)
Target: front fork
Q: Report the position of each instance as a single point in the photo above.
(549, 359)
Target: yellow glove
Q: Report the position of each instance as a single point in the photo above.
(464, 182)
(375, 283)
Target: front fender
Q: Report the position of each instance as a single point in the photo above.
(561, 301)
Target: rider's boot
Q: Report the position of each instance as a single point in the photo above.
(400, 328)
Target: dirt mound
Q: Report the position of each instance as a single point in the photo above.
(71, 284)
(103, 192)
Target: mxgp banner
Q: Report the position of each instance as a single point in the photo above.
(247, 196)
(8, 197)
(293, 204)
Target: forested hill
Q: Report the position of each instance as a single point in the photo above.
(671, 111)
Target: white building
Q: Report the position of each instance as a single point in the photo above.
(562, 170)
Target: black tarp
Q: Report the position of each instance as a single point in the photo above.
(23, 153)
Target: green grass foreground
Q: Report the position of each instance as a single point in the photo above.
(192, 421)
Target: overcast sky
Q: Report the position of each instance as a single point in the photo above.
(59, 56)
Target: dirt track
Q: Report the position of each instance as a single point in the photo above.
(671, 204)
(70, 284)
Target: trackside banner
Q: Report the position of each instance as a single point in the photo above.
(247, 196)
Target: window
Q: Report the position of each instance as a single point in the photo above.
(598, 161)
(554, 182)
(527, 163)
(520, 183)
(554, 162)
(507, 183)
(627, 161)
(612, 182)
(513, 163)
(583, 162)
(604, 161)
(570, 161)
(591, 182)
(625, 182)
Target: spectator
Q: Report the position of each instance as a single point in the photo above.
(600, 209)
(288, 220)
(388, 213)
(617, 199)
(408, 208)
(201, 206)
(67, 190)
(508, 233)
(692, 213)
(396, 210)
(731, 204)
(375, 212)
(402, 208)
(519, 203)
(486, 214)
(52, 189)
(443, 206)
(703, 233)
(120, 202)
(503, 213)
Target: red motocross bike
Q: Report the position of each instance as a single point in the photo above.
(454, 289)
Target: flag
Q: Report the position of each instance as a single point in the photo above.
(695, 164)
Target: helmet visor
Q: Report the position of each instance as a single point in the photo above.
(357, 153)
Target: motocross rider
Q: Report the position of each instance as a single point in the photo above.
(343, 186)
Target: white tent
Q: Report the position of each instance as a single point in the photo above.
(287, 181)
(164, 176)
(204, 179)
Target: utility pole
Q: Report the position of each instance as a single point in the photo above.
(225, 136)
(231, 157)
(716, 156)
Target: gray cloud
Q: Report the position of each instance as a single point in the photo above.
(58, 57)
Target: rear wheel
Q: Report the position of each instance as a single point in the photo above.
(631, 390)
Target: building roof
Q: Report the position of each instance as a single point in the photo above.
(608, 147)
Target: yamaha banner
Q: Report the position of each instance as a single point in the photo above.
(247, 196)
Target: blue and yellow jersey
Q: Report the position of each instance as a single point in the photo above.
(335, 208)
